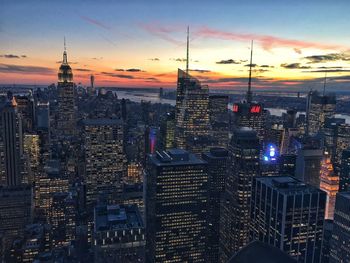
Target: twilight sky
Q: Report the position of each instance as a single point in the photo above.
(142, 43)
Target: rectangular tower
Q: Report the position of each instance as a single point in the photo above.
(288, 214)
(176, 207)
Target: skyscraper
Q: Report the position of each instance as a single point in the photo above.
(308, 164)
(248, 113)
(344, 180)
(288, 214)
(66, 105)
(318, 108)
(167, 131)
(330, 184)
(217, 160)
(176, 207)
(243, 166)
(192, 107)
(218, 116)
(340, 243)
(11, 144)
(104, 159)
(192, 115)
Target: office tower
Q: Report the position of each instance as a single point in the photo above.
(91, 89)
(43, 126)
(62, 219)
(16, 212)
(344, 180)
(287, 164)
(217, 160)
(31, 151)
(326, 240)
(308, 164)
(243, 166)
(330, 184)
(192, 115)
(288, 214)
(340, 243)
(176, 207)
(275, 136)
(51, 182)
(318, 108)
(167, 131)
(248, 113)
(342, 141)
(218, 116)
(119, 234)
(66, 105)
(26, 108)
(10, 144)
(329, 132)
(151, 140)
(290, 118)
(104, 159)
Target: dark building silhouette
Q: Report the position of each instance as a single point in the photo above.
(217, 160)
(243, 166)
(344, 178)
(288, 214)
(340, 243)
(176, 207)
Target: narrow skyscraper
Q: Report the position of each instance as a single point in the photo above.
(243, 166)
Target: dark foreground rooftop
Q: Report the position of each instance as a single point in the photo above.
(259, 252)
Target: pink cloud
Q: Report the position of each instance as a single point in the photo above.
(266, 41)
(95, 22)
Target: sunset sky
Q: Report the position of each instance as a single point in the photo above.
(142, 43)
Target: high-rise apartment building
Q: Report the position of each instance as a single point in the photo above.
(288, 214)
(105, 162)
(217, 160)
(243, 166)
(176, 207)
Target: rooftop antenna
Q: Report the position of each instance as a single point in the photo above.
(249, 92)
(187, 54)
(65, 61)
(324, 83)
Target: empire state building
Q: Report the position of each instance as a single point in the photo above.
(66, 115)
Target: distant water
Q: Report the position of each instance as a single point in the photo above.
(154, 98)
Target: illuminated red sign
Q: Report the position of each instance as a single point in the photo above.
(235, 108)
(255, 109)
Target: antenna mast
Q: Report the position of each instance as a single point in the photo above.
(187, 54)
(249, 92)
(324, 83)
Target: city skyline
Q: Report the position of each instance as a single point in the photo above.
(142, 45)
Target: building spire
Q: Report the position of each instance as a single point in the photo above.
(64, 61)
(249, 92)
(188, 48)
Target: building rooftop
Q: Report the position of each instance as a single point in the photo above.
(117, 217)
(216, 153)
(287, 185)
(174, 157)
(259, 252)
